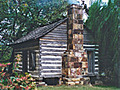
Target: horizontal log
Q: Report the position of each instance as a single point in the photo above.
(49, 38)
(96, 49)
(96, 60)
(96, 57)
(43, 50)
(54, 36)
(49, 44)
(51, 63)
(62, 27)
(55, 48)
(36, 51)
(96, 52)
(51, 67)
(89, 48)
(85, 45)
(57, 61)
(52, 71)
(35, 76)
(33, 71)
(60, 31)
(57, 36)
(96, 68)
(51, 54)
(96, 65)
(51, 57)
(51, 76)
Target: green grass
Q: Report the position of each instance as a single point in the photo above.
(63, 87)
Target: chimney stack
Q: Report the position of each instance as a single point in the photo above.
(74, 63)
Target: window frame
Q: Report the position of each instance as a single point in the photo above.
(32, 60)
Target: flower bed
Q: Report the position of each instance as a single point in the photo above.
(15, 81)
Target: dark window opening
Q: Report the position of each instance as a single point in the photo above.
(91, 62)
(32, 60)
(24, 61)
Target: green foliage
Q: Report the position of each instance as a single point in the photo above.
(14, 81)
(103, 22)
(5, 53)
(19, 17)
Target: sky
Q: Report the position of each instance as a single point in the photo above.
(89, 2)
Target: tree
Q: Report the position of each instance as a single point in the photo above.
(103, 22)
(19, 17)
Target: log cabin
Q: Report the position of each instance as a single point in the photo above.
(42, 51)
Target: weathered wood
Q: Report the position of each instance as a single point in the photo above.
(53, 42)
(52, 50)
(52, 71)
(26, 44)
(51, 76)
(56, 38)
(56, 34)
(51, 67)
(49, 44)
(53, 59)
(51, 54)
(27, 48)
(53, 46)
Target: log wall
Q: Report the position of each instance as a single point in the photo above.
(52, 47)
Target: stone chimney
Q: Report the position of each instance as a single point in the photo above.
(74, 63)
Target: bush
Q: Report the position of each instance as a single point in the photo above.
(14, 80)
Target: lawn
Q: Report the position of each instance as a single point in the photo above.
(63, 87)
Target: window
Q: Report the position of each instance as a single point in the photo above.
(91, 62)
(32, 60)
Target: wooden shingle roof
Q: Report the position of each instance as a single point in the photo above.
(39, 32)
